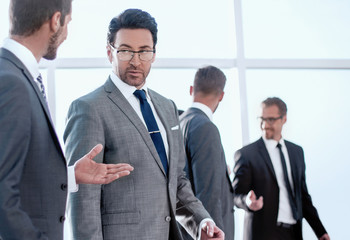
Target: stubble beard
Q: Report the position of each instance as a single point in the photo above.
(53, 46)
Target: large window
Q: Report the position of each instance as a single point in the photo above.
(296, 50)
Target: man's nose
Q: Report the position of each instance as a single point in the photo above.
(135, 60)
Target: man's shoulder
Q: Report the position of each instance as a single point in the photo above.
(253, 145)
(155, 96)
(292, 146)
(196, 119)
(93, 96)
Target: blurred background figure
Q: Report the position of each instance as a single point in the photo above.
(206, 165)
(270, 182)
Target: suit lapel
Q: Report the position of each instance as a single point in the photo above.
(265, 155)
(12, 58)
(119, 100)
(163, 114)
(39, 94)
(293, 164)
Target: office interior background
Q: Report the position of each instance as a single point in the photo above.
(296, 50)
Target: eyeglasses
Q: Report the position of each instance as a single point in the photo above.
(270, 120)
(127, 55)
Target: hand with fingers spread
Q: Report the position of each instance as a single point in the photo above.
(210, 231)
(87, 171)
(253, 203)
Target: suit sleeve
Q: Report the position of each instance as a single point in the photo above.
(15, 131)
(83, 131)
(242, 182)
(206, 163)
(309, 211)
(189, 210)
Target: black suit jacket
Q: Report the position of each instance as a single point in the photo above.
(33, 175)
(254, 171)
(206, 168)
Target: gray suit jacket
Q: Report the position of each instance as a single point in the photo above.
(206, 168)
(33, 175)
(139, 206)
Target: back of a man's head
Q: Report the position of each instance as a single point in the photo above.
(209, 80)
(132, 19)
(27, 16)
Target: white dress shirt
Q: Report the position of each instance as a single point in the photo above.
(29, 61)
(285, 214)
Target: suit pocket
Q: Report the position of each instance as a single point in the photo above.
(121, 218)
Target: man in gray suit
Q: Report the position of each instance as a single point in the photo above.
(33, 174)
(206, 165)
(140, 126)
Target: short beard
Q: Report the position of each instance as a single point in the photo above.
(53, 45)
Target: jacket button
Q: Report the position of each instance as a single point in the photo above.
(64, 187)
(62, 219)
(168, 219)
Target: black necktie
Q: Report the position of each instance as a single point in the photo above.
(152, 127)
(286, 181)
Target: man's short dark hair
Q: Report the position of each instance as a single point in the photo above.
(209, 80)
(271, 101)
(27, 16)
(132, 19)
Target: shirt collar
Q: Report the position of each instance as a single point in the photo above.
(125, 88)
(271, 143)
(24, 54)
(204, 108)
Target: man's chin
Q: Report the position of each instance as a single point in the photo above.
(268, 136)
(136, 82)
(50, 56)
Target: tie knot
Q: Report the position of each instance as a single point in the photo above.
(39, 79)
(279, 145)
(140, 94)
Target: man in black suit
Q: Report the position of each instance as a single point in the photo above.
(34, 179)
(206, 165)
(270, 182)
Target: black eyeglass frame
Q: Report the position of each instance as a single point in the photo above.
(133, 54)
(270, 120)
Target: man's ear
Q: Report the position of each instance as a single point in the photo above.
(221, 96)
(284, 119)
(154, 58)
(109, 53)
(55, 22)
(191, 90)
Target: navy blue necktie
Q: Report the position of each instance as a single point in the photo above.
(286, 181)
(152, 127)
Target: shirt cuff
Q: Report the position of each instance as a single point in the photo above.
(72, 184)
(201, 225)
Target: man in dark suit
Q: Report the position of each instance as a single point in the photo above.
(206, 165)
(270, 182)
(34, 179)
(140, 126)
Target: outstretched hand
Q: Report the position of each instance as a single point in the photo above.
(210, 231)
(253, 203)
(87, 171)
